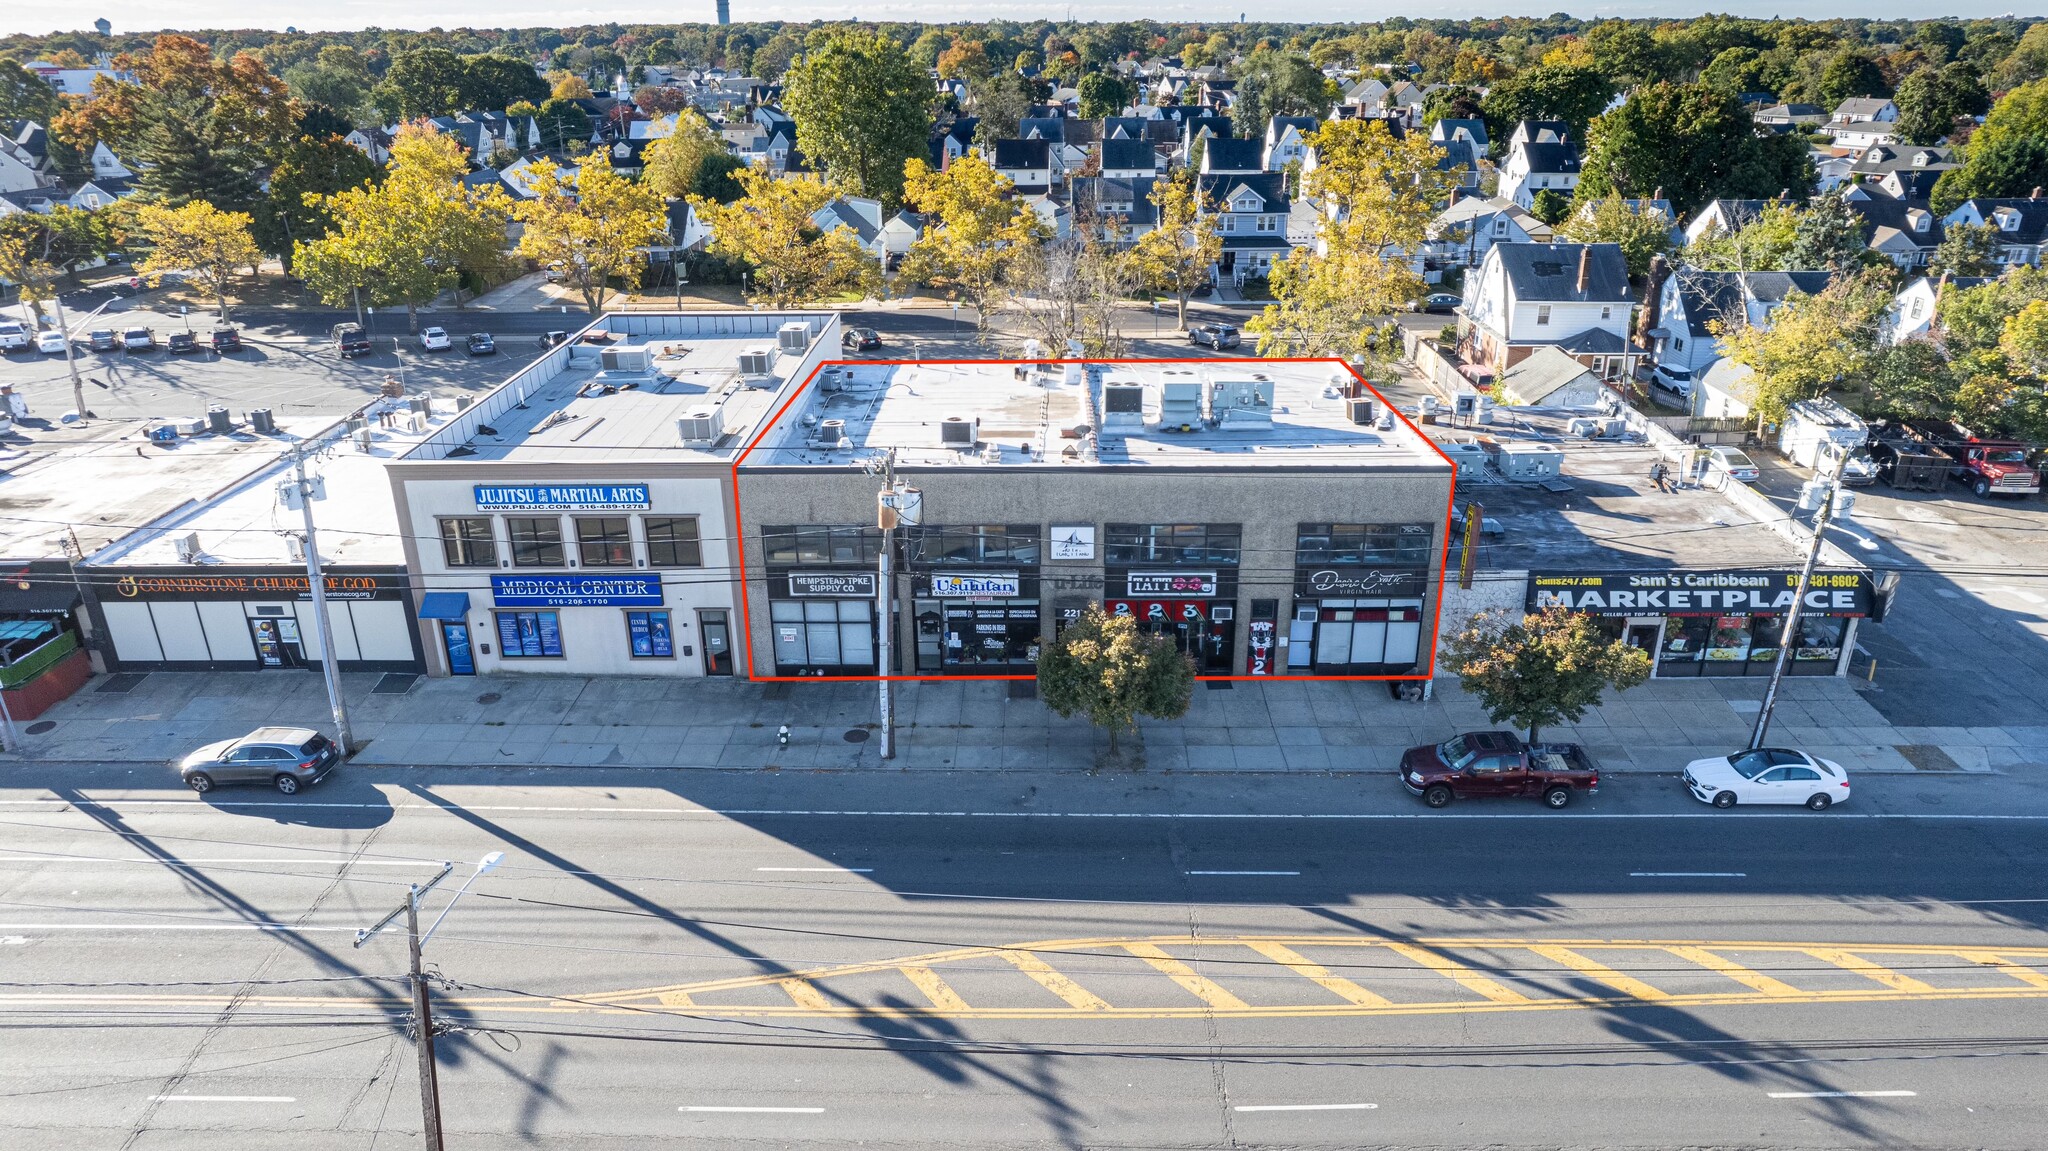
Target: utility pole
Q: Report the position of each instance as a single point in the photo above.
(422, 1009)
(330, 667)
(70, 357)
(885, 593)
(1820, 525)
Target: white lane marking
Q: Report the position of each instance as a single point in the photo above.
(211, 862)
(13, 941)
(758, 1110)
(1843, 1094)
(1244, 873)
(1310, 1107)
(56, 807)
(1689, 875)
(222, 1099)
(294, 928)
(834, 870)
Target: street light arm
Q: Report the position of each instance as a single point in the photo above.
(482, 865)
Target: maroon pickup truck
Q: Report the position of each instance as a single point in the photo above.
(1489, 763)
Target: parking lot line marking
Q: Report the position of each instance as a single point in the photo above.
(1193, 982)
(1463, 975)
(757, 1110)
(1688, 875)
(941, 993)
(1843, 1094)
(1244, 873)
(1298, 963)
(2026, 975)
(1075, 995)
(1864, 967)
(1633, 988)
(1754, 980)
(222, 1099)
(1309, 1107)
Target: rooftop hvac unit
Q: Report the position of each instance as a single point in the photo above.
(756, 362)
(700, 426)
(193, 427)
(262, 422)
(1242, 403)
(1386, 422)
(219, 421)
(424, 405)
(636, 358)
(415, 423)
(188, 548)
(462, 403)
(1123, 404)
(1361, 412)
(1530, 461)
(793, 337)
(1180, 400)
(365, 439)
(163, 434)
(832, 433)
(834, 379)
(959, 432)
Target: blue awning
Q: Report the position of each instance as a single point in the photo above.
(445, 605)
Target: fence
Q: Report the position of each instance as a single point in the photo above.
(1710, 431)
(1442, 374)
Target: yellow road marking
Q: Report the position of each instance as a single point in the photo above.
(1298, 963)
(676, 999)
(1465, 976)
(1077, 996)
(1757, 980)
(942, 995)
(1192, 981)
(2026, 975)
(804, 994)
(1634, 988)
(1864, 967)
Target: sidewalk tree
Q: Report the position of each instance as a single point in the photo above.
(1078, 288)
(38, 248)
(976, 230)
(597, 225)
(769, 228)
(1177, 255)
(1544, 669)
(407, 239)
(309, 171)
(671, 163)
(211, 248)
(859, 105)
(1103, 667)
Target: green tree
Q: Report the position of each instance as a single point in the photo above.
(1931, 100)
(1738, 70)
(1272, 83)
(2006, 165)
(1967, 250)
(1452, 102)
(209, 247)
(1625, 51)
(718, 178)
(422, 82)
(1829, 342)
(1694, 141)
(306, 174)
(770, 229)
(1550, 206)
(1827, 234)
(596, 227)
(1001, 101)
(859, 106)
(1544, 669)
(1176, 256)
(492, 82)
(670, 164)
(1102, 95)
(1609, 220)
(25, 96)
(338, 77)
(976, 231)
(564, 125)
(1103, 667)
(1850, 72)
(1762, 244)
(1568, 92)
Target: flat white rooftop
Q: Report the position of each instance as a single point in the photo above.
(616, 393)
(1232, 413)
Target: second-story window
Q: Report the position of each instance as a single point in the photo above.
(604, 541)
(1542, 314)
(467, 542)
(536, 542)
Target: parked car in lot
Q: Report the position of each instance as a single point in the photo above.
(1732, 463)
(286, 758)
(1768, 775)
(1494, 763)
(52, 342)
(480, 344)
(138, 340)
(103, 340)
(1213, 335)
(351, 341)
(1671, 384)
(552, 340)
(860, 339)
(180, 343)
(13, 337)
(435, 340)
(227, 340)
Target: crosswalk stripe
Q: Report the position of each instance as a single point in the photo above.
(935, 989)
(804, 994)
(1193, 982)
(1465, 976)
(2026, 975)
(1754, 980)
(1864, 967)
(1076, 996)
(1298, 963)
(1627, 985)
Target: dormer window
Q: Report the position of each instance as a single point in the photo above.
(1500, 225)
(2008, 220)
(1920, 159)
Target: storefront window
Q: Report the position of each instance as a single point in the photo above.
(1764, 633)
(1820, 638)
(977, 634)
(648, 635)
(1391, 545)
(467, 542)
(604, 541)
(821, 545)
(823, 632)
(1172, 543)
(672, 541)
(529, 634)
(535, 542)
(1685, 644)
(975, 543)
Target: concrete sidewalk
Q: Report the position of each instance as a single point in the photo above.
(1283, 726)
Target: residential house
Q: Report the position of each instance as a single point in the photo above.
(1404, 102)
(1460, 157)
(1068, 150)
(1538, 160)
(31, 138)
(1830, 171)
(1695, 308)
(105, 163)
(1538, 132)
(1127, 159)
(1791, 117)
(1574, 297)
(1218, 92)
(2022, 224)
(953, 140)
(100, 192)
(1460, 235)
(860, 216)
(1025, 163)
(1905, 232)
(39, 200)
(373, 142)
(1864, 110)
(900, 231)
(1121, 207)
(1875, 162)
(1473, 132)
(1287, 140)
(1368, 93)
(1251, 214)
(1724, 392)
(1548, 378)
(77, 81)
(1856, 135)
(18, 169)
(1224, 154)
(1917, 306)
(1200, 127)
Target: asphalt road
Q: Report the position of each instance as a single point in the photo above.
(1081, 962)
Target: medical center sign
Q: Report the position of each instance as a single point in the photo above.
(1834, 593)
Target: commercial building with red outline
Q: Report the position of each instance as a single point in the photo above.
(753, 576)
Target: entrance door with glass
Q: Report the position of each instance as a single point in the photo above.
(455, 640)
(717, 636)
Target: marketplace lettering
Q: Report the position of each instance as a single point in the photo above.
(1733, 601)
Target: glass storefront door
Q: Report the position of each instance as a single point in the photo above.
(1203, 629)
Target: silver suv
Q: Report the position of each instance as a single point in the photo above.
(286, 758)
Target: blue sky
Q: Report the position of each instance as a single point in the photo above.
(26, 16)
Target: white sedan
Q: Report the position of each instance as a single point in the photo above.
(51, 343)
(1768, 775)
(435, 340)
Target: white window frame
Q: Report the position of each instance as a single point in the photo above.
(1543, 315)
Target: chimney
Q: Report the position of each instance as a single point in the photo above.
(2036, 193)
(1653, 299)
(1585, 265)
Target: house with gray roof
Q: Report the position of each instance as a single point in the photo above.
(1539, 159)
(1906, 232)
(1574, 297)
(1128, 159)
(1120, 206)
(1251, 211)
(1025, 163)
(1696, 309)
(1287, 140)
(2022, 223)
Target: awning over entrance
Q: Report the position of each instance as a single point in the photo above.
(451, 605)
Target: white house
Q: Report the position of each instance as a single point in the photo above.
(1025, 163)
(1696, 308)
(1871, 109)
(859, 215)
(17, 168)
(1574, 297)
(1460, 235)
(1916, 308)
(1538, 165)
(1287, 140)
(105, 163)
(1724, 392)
(1122, 207)
(1128, 159)
(2022, 224)
(900, 231)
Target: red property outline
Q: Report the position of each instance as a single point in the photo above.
(740, 543)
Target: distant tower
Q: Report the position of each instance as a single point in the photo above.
(725, 11)
(106, 26)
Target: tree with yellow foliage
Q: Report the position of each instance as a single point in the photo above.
(209, 247)
(1177, 254)
(569, 87)
(976, 230)
(594, 226)
(770, 229)
(1816, 344)
(671, 163)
